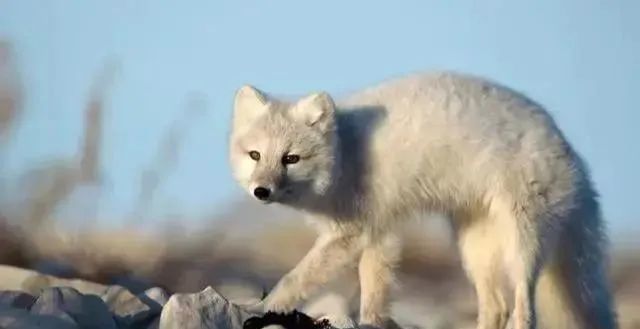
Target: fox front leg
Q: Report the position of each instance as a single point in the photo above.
(329, 255)
(376, 271)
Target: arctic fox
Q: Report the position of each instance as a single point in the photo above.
(519, 198)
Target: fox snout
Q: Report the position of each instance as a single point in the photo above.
(266, 183)
(265, 191)
(262, 193)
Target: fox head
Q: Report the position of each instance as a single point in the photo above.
(280, 151)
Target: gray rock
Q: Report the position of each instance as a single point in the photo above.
(154, 296)
(67, 304)
(128, 308)
(50, 303)
(204, 310)
(14, 318)
(16, 299)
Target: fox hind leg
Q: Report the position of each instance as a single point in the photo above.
(482, 255)
(534, 234)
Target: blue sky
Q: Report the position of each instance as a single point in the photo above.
(580, 58)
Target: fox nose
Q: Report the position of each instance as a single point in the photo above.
(261, 193)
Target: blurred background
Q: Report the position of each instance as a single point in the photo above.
(114, 118)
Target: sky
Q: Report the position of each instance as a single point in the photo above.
(579, 58)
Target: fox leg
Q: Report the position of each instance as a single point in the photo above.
(376, 269)
(524, 276)
(534, 232)
(329, 255)
(482, 255)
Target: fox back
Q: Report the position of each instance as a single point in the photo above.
(439, 141)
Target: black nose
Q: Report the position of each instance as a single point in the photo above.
(261, 193)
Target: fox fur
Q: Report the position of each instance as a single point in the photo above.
(519, 197)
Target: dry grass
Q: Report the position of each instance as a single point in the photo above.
(166, 157)
(10, 91)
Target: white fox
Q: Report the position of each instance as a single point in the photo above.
(518, 196)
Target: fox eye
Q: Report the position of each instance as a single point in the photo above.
(255, 155)
(290, 159)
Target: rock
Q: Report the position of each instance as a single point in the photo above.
(204, 310)
(328, 304)
(13, 277)
(133, 284)
(340, 321)
(210, 310)
(36, 283)
(16, 299)
(67, 304)
(50, 304)
(240, 292)
(155, 324)
(18, 279)
(128, 308)
(14, 318)
(154, 296)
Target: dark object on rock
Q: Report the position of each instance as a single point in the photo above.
(293, 320)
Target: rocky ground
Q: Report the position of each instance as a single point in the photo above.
(125, 279)
(31, 299)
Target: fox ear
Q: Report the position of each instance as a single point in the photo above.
(249, 103)
(315, 110)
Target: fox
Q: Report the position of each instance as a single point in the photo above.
(519, 198)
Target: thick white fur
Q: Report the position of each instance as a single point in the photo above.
(520, 198)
